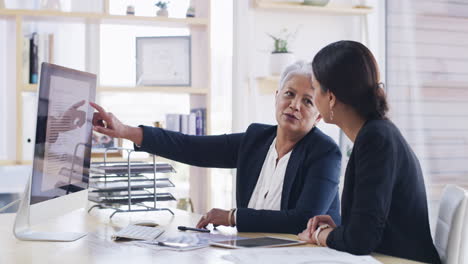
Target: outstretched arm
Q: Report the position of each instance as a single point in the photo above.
(204, 151)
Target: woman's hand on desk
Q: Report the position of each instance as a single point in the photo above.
(309, 234)
(108, 124)
(215, 217)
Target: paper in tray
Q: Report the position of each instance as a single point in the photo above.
(135, 168)
(124, 200)
(112, 186)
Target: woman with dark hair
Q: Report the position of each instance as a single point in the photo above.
(384, 205)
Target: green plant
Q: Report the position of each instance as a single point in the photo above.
(162, 4)
(281, 41)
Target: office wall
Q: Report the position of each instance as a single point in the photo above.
(428, 86)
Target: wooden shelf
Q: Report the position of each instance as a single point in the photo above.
(8, 162)
(162, 89)
(136, 89)
(268, 84)
(30, 87)
(48, 15)
(326, 10)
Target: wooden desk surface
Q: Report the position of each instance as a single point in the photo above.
(97, 247)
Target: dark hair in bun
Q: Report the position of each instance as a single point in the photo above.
(349, 70)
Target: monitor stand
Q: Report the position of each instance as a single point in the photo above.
(21, 228)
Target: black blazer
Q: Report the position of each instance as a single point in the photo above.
(384, 206)
(310, 184)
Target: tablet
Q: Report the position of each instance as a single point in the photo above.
(257, 242)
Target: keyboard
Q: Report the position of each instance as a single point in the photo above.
(138, 232)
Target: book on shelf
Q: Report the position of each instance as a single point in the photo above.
(191, 124)
(200, 120)
(192, 128)
(33, 58)
(40, 49)
(26, 45)
(173, 122)
(184, 124)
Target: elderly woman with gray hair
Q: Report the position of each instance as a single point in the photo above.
(286, 173)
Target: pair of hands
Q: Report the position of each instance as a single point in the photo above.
(308, 234)
(216, 217)
(106, 123)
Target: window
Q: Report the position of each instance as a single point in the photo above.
(427, 80)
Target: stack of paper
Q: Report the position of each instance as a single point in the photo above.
(309, 255)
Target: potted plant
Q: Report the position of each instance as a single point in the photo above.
(162, 8)
(281, 56)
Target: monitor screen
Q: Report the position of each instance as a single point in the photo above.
(63, 132)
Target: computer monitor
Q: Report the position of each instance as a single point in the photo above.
(62, 151)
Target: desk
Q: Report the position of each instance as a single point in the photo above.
(97, 247)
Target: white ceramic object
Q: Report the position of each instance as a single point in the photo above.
(278, 61)
(51, 4)
(162, 12)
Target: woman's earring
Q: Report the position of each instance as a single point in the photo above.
(331, 114)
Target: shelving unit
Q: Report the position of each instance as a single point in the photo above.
(324, 10)
(199, 92)
(269, 84)
(136, 89)
(199, 29)
(100, 18)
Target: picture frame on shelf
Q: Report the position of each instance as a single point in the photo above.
(163, 61)
(101, 142)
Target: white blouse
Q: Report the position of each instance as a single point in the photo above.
(267, 192)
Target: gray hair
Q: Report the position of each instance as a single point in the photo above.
(298, 68)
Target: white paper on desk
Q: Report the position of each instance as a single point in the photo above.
(195, 240)
(301, 255)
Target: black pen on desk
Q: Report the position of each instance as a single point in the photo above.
(172, 244)
(186, 228)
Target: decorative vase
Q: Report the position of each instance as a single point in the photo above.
(278, 61)
(162, 12)
(130, 10)
(190, 12)
(50, 4)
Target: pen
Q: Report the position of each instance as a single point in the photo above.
(185, 228)
(172, 244)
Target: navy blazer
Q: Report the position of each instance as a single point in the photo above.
(310, 183)
(384, 206)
